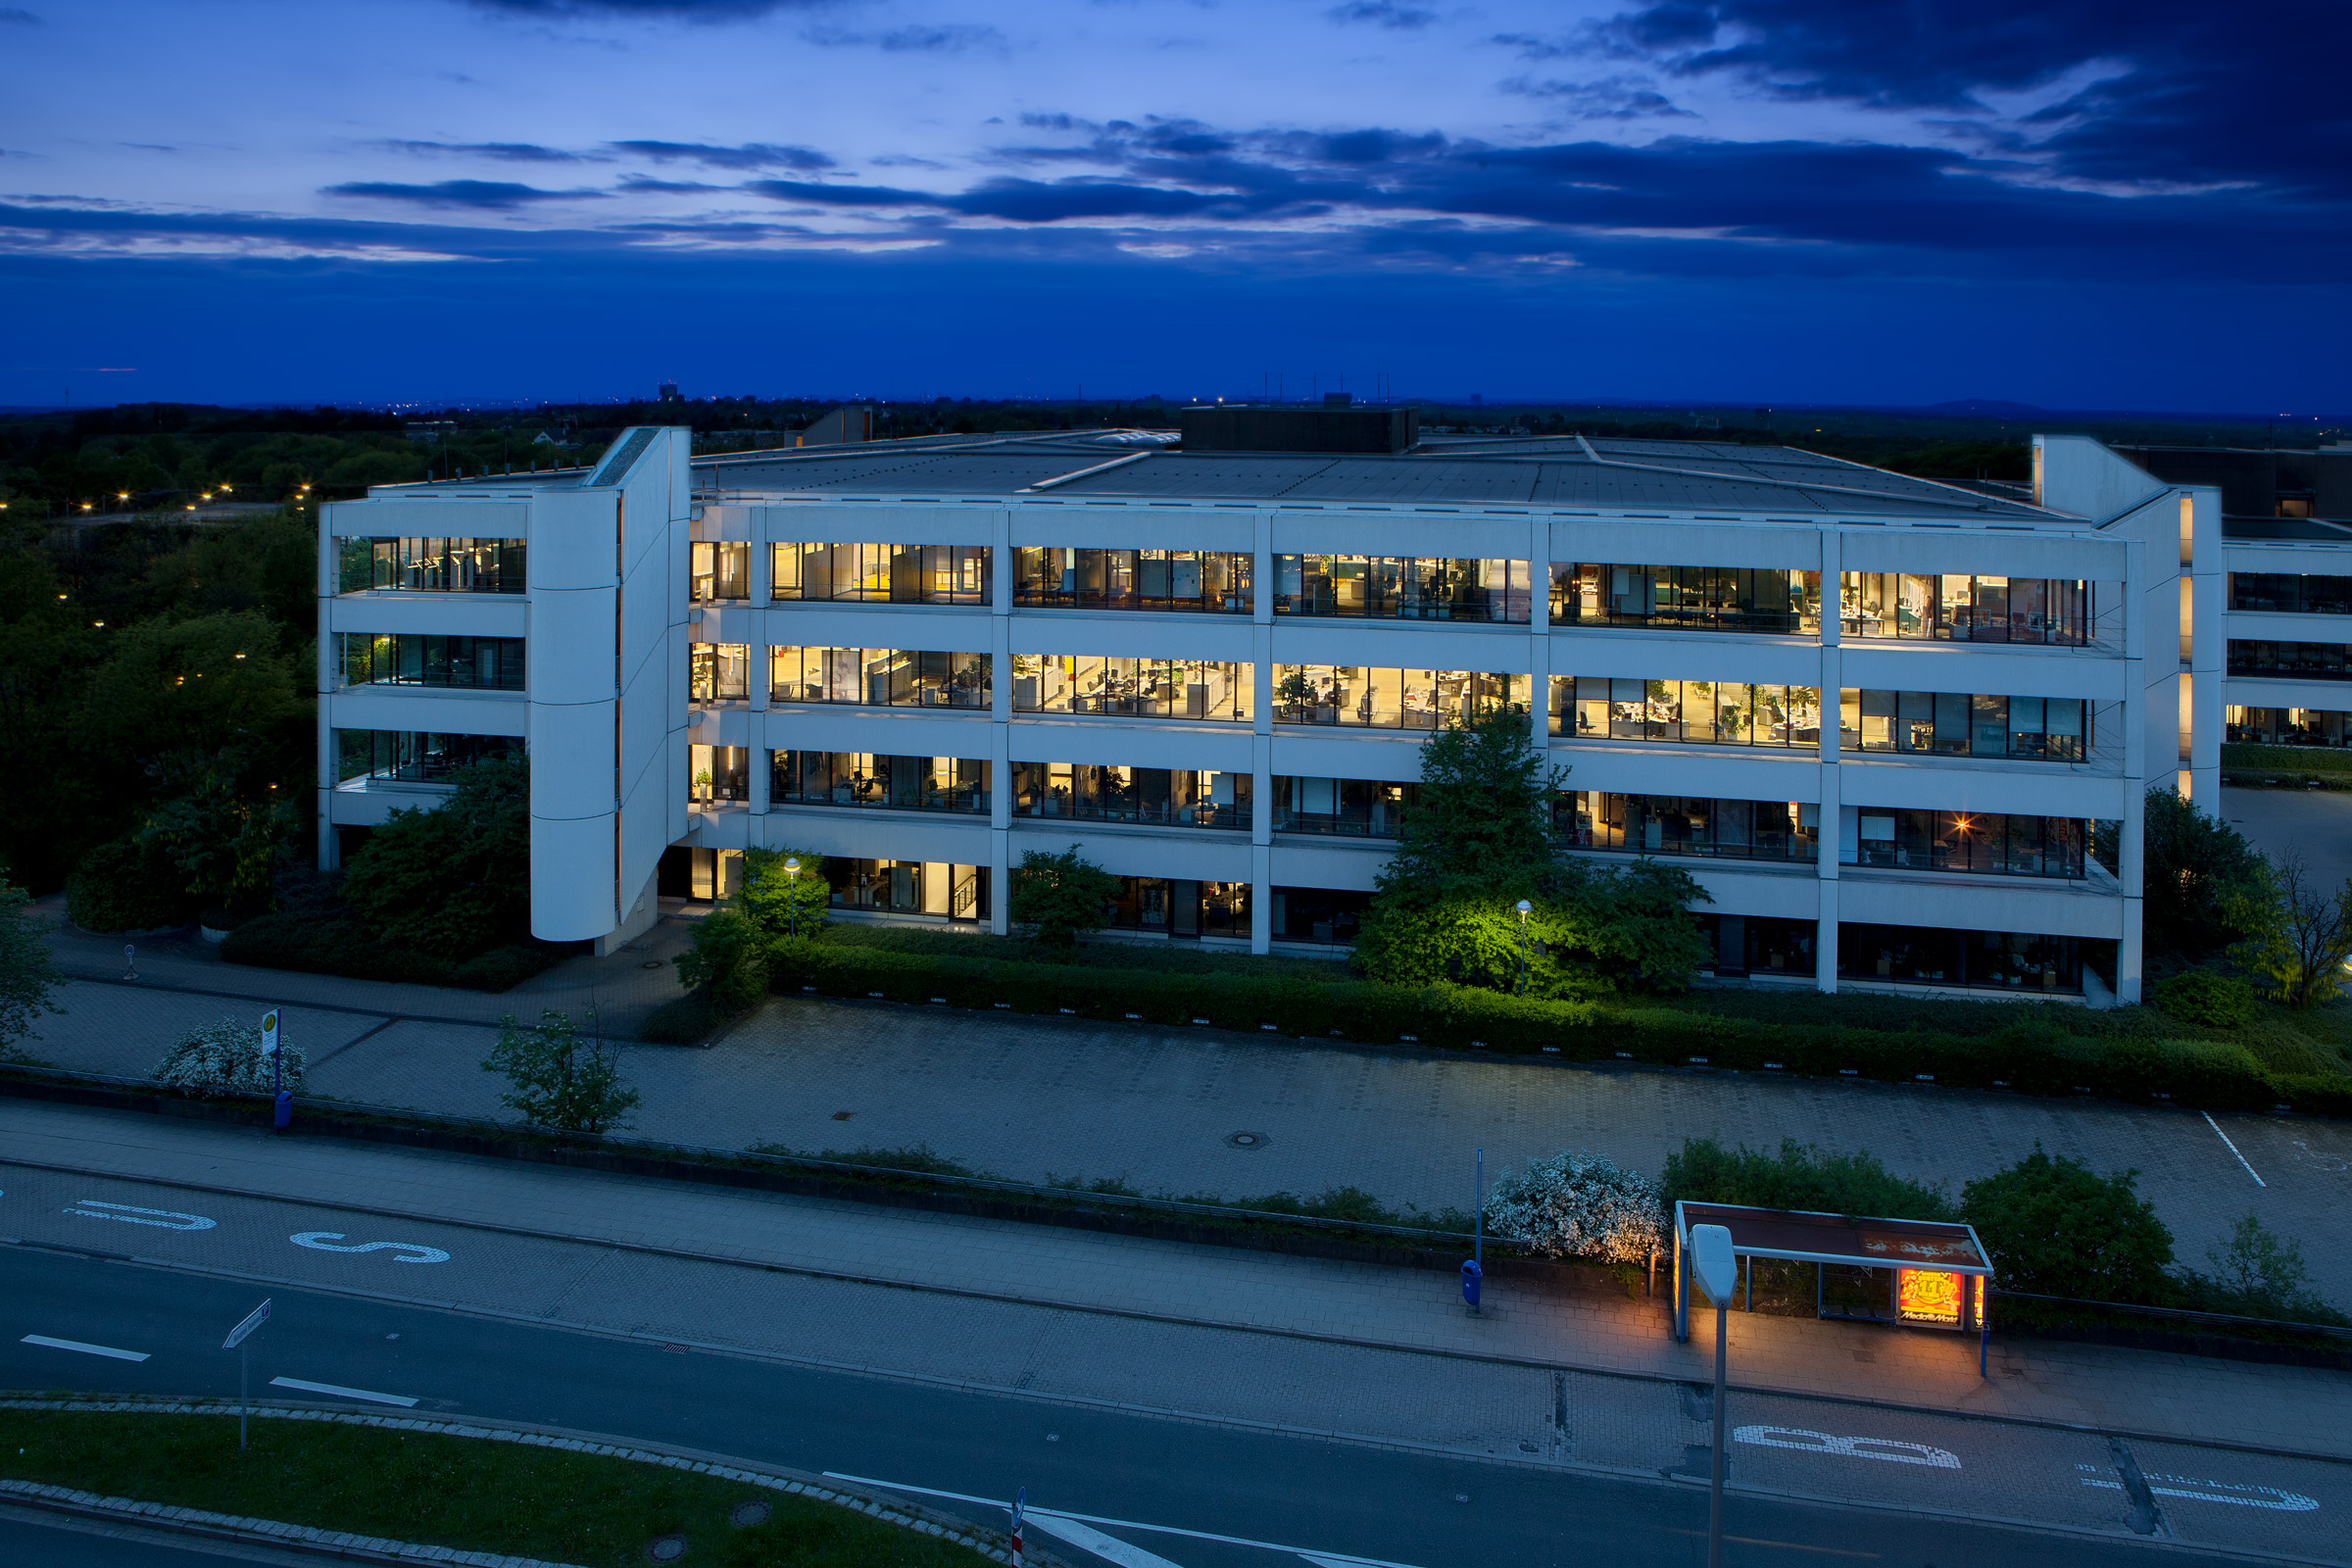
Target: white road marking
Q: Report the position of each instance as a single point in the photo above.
(168, 1219)
(1085, 1537)
(86, 1349)
(1891, 1450)
(324, 1242)
(1332, 1559)
(2244, 1496)
(2233, 1147)
(342, 1392)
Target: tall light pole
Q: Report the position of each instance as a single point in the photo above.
(792, 907)
(1525, 908)
(1718, 1272)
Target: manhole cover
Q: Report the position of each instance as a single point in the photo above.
(1247, 1140)
(651, 964)
(843, 1115)
(748, 1512)
(665, 1548)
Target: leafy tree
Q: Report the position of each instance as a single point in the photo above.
(1798, 1176)
(2055, 1228)
(775, 901)
(726, 959)
(2193, 866)
(454, 881)
(2259, 1273)
(225, 850)
(1060, 896)
(191, 687)
(1482, 825)
(1633, 921)
(1472, 941)
(2298, 933)
(560, 1080)
(29, 974)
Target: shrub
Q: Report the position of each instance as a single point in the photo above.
(778, 903)
(127, 886)
(2204, 997)
(688, 1020)
(2316, 1094)
(454, 881)
(341, 946)
(559, 1080)
(725, 961)
(2258, 1273)
(2055, 1228)
(1799, 1177)
(1580, 1206)
(226, 1058)
(1060, 896)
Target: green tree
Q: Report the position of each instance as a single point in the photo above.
(191, 689)
(29, 974)
(1798, 1176)
(558, 1079)
(1482, 825)
(1060, 897)
(2259, 1273)
(2298, 933)
(454, 881)
(1633, 922)
(726, 959)
(2055, 1228)
(225, 849)
(2195, 869)
(781, 902)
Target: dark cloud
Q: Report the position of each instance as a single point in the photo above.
(752, 155)
(512, 152)
(669, 10)
(1610, 98)
(1382, 14)
(941, 38)
(488, 195)
(18, 17)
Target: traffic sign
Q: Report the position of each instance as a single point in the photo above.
(253, 1320)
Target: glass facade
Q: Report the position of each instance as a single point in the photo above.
(425, 658)
(1391, 699)
(892, 575)
(1351, 808)
(1137, 687)
(1993, 961)
(719, 672)
(719, 773)
(1687, 598)
(2042, 729)
(1175, 907)
(881, 677)
(2289, 594)
(1320, 915)
(433, 565)
(1679, 825)
(720, 571)
(1104, 792)
(1197, 580)
(413, 756)
(1707, 712)
(909, 887)
(1986, 843)
(2286, 726)
(1402, 587)
(890, 783)
(1965, 609)
(2290, 660)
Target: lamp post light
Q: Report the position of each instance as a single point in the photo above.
(1525, 909)
(1718, 1271)
(792, 905)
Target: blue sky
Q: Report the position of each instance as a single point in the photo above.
(2073, 203)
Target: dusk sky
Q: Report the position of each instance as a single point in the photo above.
(2071, 203)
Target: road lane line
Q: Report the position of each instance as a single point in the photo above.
(170, 1219)
(342, 1392)
(85, 1350)
(1088, 1538)
(1126, 1524)
(2233, 1147)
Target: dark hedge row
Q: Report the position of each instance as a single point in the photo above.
(319, 945)
(2031, 1056)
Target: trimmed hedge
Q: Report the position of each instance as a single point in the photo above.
(340, 945)
(120, 886)
(2031, 1055)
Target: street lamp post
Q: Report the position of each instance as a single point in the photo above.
(792, 906)
(1718, 1271)
(1525, 908)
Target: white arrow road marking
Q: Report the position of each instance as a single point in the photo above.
(86, 1349)
(324, 1242)
(1088, 1538)
(2244, 1496)
(1890, 1450)
(168, 1219)
(342, 1392)
(1339, 1559)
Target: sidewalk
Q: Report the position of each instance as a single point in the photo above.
(2189, 1398)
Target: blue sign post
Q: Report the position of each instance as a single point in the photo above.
(236, 1342)
(281, 1098)
(1020, 1507)
(1474, 1266)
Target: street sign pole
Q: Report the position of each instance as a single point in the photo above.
(1020, 1507)
(1718, 1270)
(236, 1342)
(281, 1102)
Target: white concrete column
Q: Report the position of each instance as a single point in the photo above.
(2209, 641)
(1000, 728)
(1830, 819)
(1261, 745)
(2132, 808)
(1539, 634)
(330, 564)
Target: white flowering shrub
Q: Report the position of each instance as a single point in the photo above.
(225, 1058)
(1580, 1206)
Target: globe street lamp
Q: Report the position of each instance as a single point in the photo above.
(792, 907)
(1525, 908)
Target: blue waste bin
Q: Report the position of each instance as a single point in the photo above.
(285, 1109)
(1471, 1275)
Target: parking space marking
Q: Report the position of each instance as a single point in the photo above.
(324, 1242)
(342, 1392)
(1891, 1450)
(2233, 1147)
(1085, 1537)
(2240, 1494)
(131, 1214)
(85, 1350)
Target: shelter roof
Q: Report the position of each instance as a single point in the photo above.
(1874, 1243)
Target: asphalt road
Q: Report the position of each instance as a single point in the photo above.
(1293, 1497)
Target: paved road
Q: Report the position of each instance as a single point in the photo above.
(2318, 822)
(972, 1399)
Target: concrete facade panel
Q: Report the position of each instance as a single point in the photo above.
(430, 614)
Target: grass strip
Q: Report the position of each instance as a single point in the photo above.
(439, 1488)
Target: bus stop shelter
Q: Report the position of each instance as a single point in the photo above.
(1937, 1274)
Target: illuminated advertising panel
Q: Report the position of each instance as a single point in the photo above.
(1929, 1297)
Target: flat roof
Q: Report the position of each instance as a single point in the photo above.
(1808, 1237)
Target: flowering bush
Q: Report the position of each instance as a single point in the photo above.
(225, 1058)
(1580, 1206)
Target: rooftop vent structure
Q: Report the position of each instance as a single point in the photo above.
(1250, 428)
